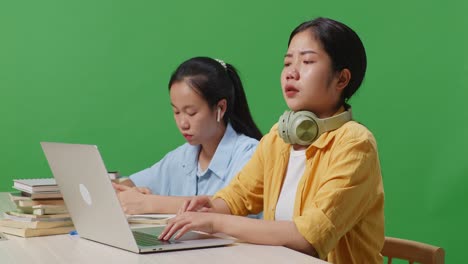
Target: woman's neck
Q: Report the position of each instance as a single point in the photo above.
(299, 147)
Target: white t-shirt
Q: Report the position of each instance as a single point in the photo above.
(296, 167)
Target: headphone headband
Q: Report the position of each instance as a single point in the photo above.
(304, 127)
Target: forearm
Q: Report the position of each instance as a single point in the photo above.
(165, 204)
(171, 204)
(277, 233)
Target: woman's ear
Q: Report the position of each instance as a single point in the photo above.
(343, 79)
(221, 109)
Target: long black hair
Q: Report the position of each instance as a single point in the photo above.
(344, 47)
(215, 80)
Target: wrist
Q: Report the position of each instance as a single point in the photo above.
(218, 223)
(151, 203)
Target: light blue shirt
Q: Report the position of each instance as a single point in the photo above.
(178, 174)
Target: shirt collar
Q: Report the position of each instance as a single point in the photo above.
(190, 161)
(325, 139)
(222, 157)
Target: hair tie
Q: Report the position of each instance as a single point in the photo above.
(222, 63)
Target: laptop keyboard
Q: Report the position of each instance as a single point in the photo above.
(145, 240)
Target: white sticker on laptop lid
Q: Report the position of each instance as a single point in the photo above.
(85, 194)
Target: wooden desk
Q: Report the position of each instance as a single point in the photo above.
(71, 249)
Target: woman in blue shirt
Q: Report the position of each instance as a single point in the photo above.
(211, 112)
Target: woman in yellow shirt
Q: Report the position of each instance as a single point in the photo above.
(316, 174)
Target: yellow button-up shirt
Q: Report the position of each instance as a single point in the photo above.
(339, 203)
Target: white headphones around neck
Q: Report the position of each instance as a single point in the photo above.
(304, 127)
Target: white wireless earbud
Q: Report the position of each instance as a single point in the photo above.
(218, 117)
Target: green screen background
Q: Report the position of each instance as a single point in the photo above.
(96, 72)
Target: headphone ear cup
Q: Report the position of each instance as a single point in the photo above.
(304, 128)
(283, 126)
(306, 131)
(298, 128)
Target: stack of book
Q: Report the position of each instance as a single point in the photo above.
(40, 210)
(45, 188)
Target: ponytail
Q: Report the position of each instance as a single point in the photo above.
(241, 119)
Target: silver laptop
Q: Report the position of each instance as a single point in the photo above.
(94, 207)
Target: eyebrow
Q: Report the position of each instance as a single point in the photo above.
(184, 107)
(301, 53)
